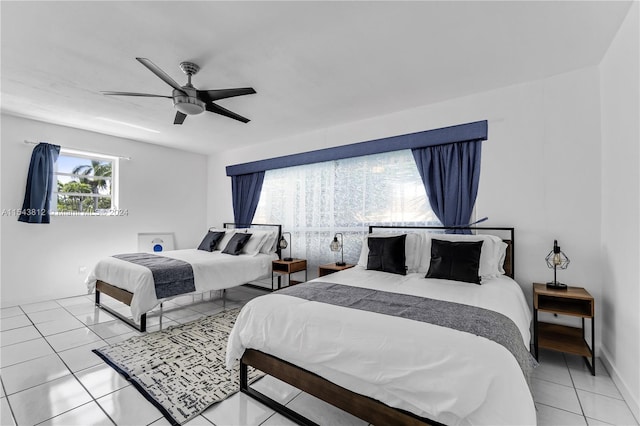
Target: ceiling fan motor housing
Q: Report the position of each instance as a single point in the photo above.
(188, 104)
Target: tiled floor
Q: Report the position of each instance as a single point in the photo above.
(50, 376)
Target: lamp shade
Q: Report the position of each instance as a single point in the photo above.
(338, 246)
(556, 259)
(282, 244)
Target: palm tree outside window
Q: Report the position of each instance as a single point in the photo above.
(85, 184)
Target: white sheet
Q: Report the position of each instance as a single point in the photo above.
(446, 375)
(211, 271)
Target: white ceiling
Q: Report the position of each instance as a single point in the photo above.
(313, 64)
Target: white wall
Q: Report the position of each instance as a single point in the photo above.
(540, 167)
(620, 253)
(163, 190)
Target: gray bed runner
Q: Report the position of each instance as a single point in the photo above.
(471, 319)
(170, 276)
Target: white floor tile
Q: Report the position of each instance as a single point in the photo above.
(17, 321)
(77, 300)
(79, 358)
(82, 309)
(198, 421)
(555, 395)
(18, 335)
(606, 409)
(600, 383)
(95, 316)
(48, 400)
(190, 318)
(128, 407)
(10, 312)
(101, 380)
(6, 418)
(49, 315)
(238, 410)
(110, 329)
(181, 312)
(59, 326)
(122, 337)
(594, 422)
(72, 339)
(575, 362)
(21, 352)
(24, 375)
(322, 413)
(278, 420)
(40, 306)
(276, 389)
(87, 414)
(550, 416)
(552, 368)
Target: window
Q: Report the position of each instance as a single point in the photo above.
(315, 201)
(86, 184)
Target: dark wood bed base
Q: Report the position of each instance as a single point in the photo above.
(122, 296)
(125, 296)
(361, 406)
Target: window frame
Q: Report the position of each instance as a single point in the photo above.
(114, 209)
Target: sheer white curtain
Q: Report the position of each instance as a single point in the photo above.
(315, 201)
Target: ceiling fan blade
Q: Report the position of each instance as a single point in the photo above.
(163, 75)
(211, 107)
(214, 95)
(134, 94)
(179, 118)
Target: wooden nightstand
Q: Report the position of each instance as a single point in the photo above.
(330, 268)
(574, 301)
(288, 267)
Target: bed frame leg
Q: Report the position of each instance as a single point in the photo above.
(160, 316)
(274, 405)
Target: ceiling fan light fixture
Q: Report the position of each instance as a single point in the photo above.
(188, 105)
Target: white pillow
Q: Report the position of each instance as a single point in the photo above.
(492, 249)
(412, 247)
(255, 242)
(269, 241)
(228, 233)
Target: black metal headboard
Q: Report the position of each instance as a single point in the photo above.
(509, 260)
(232, 225)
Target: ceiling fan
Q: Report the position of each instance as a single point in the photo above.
(187, 99)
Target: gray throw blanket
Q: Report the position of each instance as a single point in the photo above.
(471, 319)
(170, 276)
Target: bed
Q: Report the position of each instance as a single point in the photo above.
(129, 279)
(390, 369)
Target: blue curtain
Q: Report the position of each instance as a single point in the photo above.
(451, 174)
(245, 191)
(37, 197)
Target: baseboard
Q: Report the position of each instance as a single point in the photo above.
(632, 402)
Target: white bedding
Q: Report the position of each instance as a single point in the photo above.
(442, 374)
(211, 270)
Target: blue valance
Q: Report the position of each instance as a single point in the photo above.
(446, 135)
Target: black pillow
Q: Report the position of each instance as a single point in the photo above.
(455, 260)
(210, 241)
(387, 254)
(236, 243)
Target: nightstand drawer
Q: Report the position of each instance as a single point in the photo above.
(565, 306)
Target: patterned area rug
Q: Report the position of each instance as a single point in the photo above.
(181, 369)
